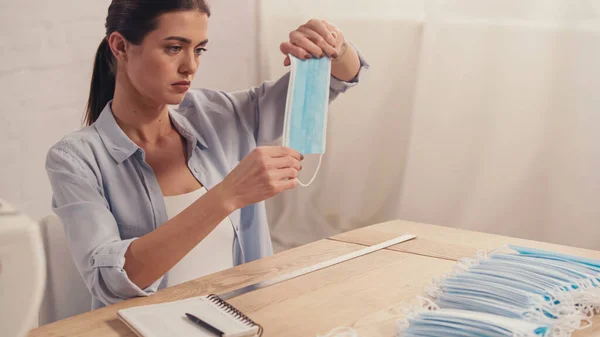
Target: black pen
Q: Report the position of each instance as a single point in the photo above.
(205, 325)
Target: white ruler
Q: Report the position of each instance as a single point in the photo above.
(315, 267)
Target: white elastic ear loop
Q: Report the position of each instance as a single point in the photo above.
(314, 176)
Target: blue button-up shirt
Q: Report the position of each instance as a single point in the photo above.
(106, 195)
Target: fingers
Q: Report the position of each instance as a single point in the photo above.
(287, 162)
(289, 48)
(315, 38)
(319, 41)
(287, 184)
(284, 174)
(336, 32)
(279, 151)
(299, 39)
(321, 28)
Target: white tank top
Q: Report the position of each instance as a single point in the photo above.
(211, 255)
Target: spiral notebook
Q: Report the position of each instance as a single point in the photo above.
(169, 319)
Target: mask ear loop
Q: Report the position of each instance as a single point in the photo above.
(314, 176)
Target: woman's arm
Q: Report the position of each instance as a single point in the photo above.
(151, 256)
(265, 172)
(91, 229)
(116, 269)
(347, 65)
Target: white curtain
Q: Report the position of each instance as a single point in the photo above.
(477, 114)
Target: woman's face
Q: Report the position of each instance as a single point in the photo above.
(162, 68)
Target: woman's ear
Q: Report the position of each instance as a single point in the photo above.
(118, 45)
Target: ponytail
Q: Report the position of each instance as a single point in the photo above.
(102, 88)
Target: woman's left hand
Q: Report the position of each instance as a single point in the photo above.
(316, 38)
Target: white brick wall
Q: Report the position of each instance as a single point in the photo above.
(46, 54)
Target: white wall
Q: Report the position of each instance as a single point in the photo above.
(46, 54)
(476, 114)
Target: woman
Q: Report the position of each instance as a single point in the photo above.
(152, 196)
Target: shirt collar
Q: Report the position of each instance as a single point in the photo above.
(121, 147)
(184, 127)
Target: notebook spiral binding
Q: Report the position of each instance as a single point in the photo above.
(233, 311)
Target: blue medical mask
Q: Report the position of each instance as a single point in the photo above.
(522, 291)
(590, 263)
(307, 104)
(487, 295)
(451, 322)
(489, 289)
(579, 274)
(518, 275)
(534, 273)
(476, 303)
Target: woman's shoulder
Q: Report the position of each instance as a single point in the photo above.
(84, 137)
(78, 147)
(203, 98)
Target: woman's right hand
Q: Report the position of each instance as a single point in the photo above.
(262, 174)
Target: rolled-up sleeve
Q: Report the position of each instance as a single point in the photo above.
(262, 109)
(91, 229)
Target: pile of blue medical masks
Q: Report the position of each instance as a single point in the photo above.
(523, 292)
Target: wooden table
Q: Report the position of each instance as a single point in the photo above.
(368, 293)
